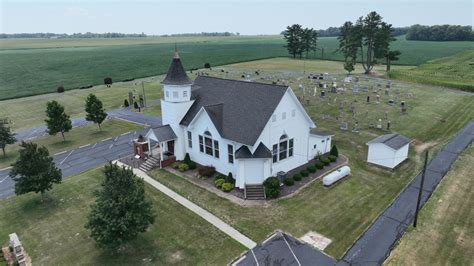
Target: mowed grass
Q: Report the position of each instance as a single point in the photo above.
(445, 234)
(455, 71)
(344, 211)
(37, 66)
(31, 111)
(53, 232)
(75, 138)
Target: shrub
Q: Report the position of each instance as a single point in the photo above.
(219, 182)
(175, 165)
(325, 161)
(227, 187)
(297, 177)
(289, 181)
(207, 171)
(230, 179)
(220, 176)
(207, 65)
(135, 105)
(60, 89)
(272, 187)
(125, 103)
(108, 81)
(334, 151)
(311, 169)
(192, 165)
(187, 158)
(304, 173)
(332, 158)
(182, 167)
(319, 165)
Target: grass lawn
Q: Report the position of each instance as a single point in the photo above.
(455, 71)
(445, 232)
(342, 213)
(30, 111)
(53, 232)
(77, 137)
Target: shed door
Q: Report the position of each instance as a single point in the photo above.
(254, 172)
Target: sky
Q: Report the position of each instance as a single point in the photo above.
(244, 16)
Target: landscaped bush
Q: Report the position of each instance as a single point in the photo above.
(334, 151)
(332, 158)
(207, 65)
(207, 171)
(125, 103)
(60, 89)
(187, 158)
(182, 167)
(175, 165)
(230, 179)
(289, 181)
(272, 187)
(219, 182)
(220, 176)
(325, 161)
(304, 173)
(227, 187)
(311, 169)
(192, 165)
(319, 165)
(135, 105)
(297, 177)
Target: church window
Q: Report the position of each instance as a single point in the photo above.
(284, 149)
(230, 153)
(190, 139)
(185, 93)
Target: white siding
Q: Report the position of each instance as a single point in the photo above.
(172, 114)
(401, 155)
(321, 144)
(383, 155)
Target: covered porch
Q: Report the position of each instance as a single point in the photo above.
(161, 142)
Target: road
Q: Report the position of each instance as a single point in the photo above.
(89, 156)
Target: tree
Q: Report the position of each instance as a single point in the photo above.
(292, 36)
(391, 56)
(369, 36)
(6, 135)
(334, 151)
(58, 120)
(108, 81)
(94, 110)
(34, 170)
(309, 38)
(125, 103)
(121, 210)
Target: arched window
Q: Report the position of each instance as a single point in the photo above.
(208, 145)
(283, 149)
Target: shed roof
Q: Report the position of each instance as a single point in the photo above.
(393, 140)
(239, 109)
(322, 133)
(163, 133)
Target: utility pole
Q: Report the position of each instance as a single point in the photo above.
(421, 190)
(144, 97)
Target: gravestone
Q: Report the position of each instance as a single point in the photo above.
(403, 106)
(391, 102)
(366, 89)
(368, 99)
(323, 93)
(357, 79)
(315, 91)
(388, 125)
(355, 89)
(344, 126)
(333, 90)
(142, 102)
(378, 98)
(386, 92)
(379, 124)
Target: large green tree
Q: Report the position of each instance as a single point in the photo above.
(309, 38)
(94, 110)
(34, 170)
(391, 56)
(292, 35)
(368, 38)
(58, 120)
(121, 210)
(6, 135)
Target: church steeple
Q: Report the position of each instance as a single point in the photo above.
(176, 73)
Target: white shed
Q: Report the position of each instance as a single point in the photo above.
(388, 150)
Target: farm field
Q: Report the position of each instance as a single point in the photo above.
(40, 66)
(342, 212)
(75, 138)
(444, 235)
(455, 71)
(74, 101)
(53, 232)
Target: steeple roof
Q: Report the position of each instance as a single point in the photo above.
(176, 73)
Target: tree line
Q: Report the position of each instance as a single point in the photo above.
(440, 33)
(74, 35)
(300, 40)
(335, 31)
(211, 34)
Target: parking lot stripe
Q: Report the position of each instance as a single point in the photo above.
(66, 157)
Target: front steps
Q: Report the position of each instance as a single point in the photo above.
(149, 164)
(254, 192)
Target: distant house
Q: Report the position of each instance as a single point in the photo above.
(388, 150)
(252, 130)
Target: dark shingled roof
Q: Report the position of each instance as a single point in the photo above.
(316, 132)
(164, 133)
(176, 73)
(260, 153)
(239, 109)
(393, 140)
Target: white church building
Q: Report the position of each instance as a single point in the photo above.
(252, 130)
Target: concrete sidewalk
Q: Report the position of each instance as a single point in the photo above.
(221, 225)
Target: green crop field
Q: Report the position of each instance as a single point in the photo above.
(455, 71)
(37, 66)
